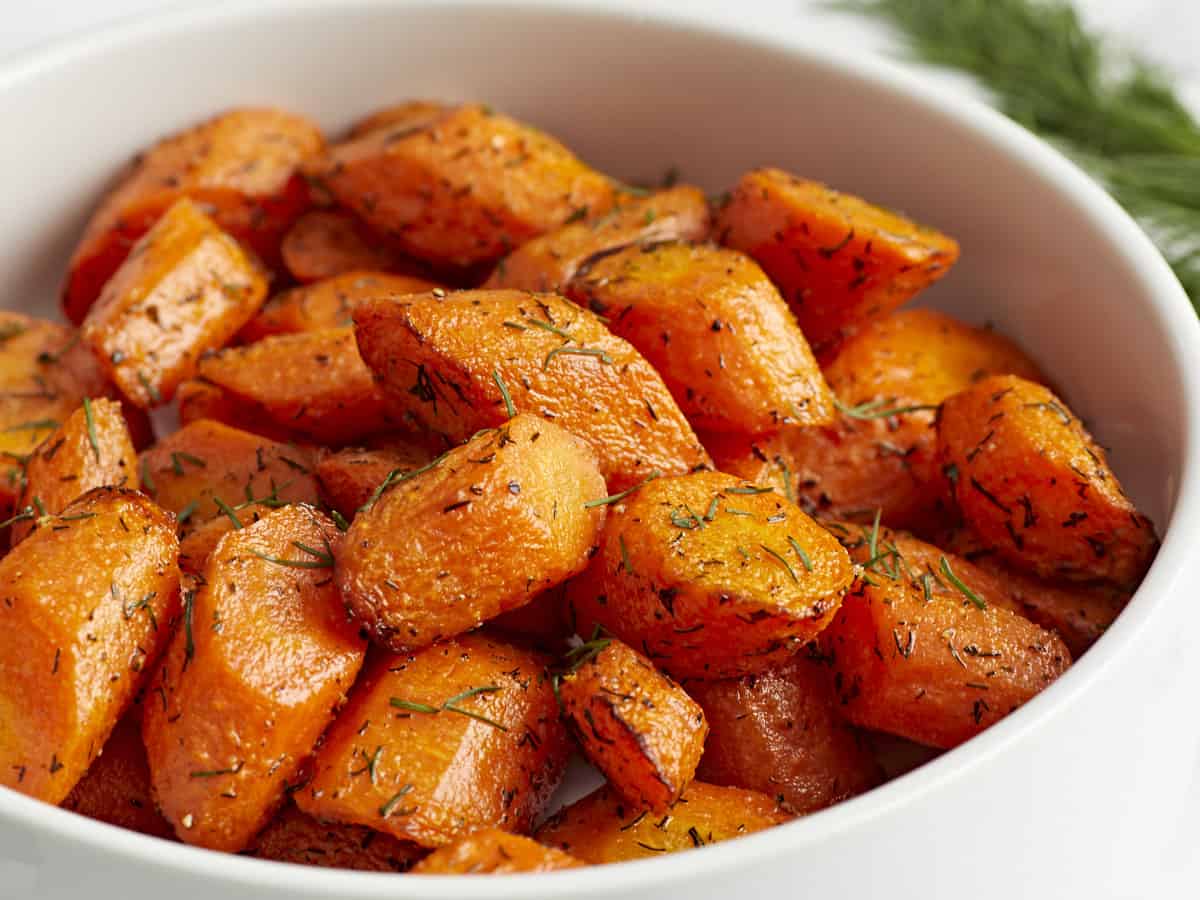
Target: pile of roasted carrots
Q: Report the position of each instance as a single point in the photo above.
(485, 458)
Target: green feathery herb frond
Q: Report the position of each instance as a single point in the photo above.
(1112, 112)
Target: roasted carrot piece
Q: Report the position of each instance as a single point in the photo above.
(491, 851)
(188, 471)
(89, 598)
(460, 736)
(1079, 613)
(44, 375)
(550, 262)
(477, 532)
(714, 326)
(186, 288)
(260, 664)
(935, 671)
(604, 828)
(881, 451)
(349, 477)
(325, 243)
(328, 303)
(91, 449)
(242, 165)
(116, 789)
(837, 259)
(464, 189)
(401, 119)
(1033, 484)
(711, 577)
(780, 732)
(294, 837)
(633, 722)
(450, 360)
(312, 384)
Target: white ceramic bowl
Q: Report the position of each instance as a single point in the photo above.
(1083, 792)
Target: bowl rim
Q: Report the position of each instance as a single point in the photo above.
(1162, 293)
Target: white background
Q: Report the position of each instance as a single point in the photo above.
(1167, 31)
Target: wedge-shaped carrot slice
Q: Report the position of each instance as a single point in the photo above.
(242, 165)
(460, 736)
(203, 462)
(87, 605)
(116, 789)
(711, 576)
(45, 372)
(186, 288)
(1079, 613)
(262, 660)
(328, 303)
(634, 723)
(349, 477)
(881, 452)
(604, 828)
(295, 837)
(780, 732)
(326, 243)
(466, 188)
(490, 851)
(313, 384)
(458, 362)
(550, 262)
(838, 260)
(1032, 483)
(937, 671)
(475, 533)
(714, 326)
(91, 449)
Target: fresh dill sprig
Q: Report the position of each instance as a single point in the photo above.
(1112, 112)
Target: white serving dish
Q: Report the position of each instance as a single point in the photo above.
(1084, 792)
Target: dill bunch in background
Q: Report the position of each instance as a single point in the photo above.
(1113, 113)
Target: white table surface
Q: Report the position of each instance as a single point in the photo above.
(1165, 31)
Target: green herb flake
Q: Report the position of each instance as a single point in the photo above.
(944, 565)
(617, 498)
(91, 427)
(508, 403)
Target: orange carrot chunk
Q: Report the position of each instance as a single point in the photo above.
(712, 323)
(262, 660)
(457, 362)
(466, 188)
(186, 288)
(634, 723)
(780, 732)
(463, 735)
(89, 599)
(241, 166)
(475, 533)
(91, 449)
(1033, 484)
(837, 259)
